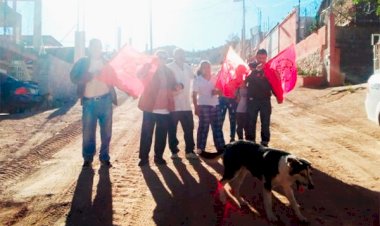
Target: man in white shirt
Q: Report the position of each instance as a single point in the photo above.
(182, 106)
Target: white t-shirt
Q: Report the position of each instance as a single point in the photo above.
(161, 111)
(182, 101)
(204, 88)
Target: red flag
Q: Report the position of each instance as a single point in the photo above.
(130, 71)
(281, 72)
(231, 74)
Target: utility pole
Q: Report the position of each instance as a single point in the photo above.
(37, 27)
(242, 31)
(80, 35)
(5, 2)
(298, 38)
(243, 34)
(151, 26)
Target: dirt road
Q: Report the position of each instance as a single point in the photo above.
(42, 182)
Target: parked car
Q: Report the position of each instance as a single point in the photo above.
(372, 102)
(17, 96)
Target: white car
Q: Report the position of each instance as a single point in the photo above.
(372, 102)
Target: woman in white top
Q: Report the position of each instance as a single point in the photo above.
(205, 100)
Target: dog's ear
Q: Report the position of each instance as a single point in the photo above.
(305, 162)
(292, 160)
(295, 165)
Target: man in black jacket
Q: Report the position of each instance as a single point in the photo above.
(259, 92)
(96, 98)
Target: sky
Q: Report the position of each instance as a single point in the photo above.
(190, 24)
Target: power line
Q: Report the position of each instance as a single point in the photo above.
(68, 33)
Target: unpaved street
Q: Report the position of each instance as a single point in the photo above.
(42, 181)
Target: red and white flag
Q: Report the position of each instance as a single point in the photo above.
(123, 71)
(231, 73)
(281, 72)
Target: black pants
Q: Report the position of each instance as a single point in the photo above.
(242, 126)
(187, 123)
(264, 108)
(151, 120)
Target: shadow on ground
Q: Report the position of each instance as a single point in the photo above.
(192, 199)
(61, 108)
(85, 212)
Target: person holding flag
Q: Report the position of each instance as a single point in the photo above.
(228, 101)
(259, 92)
(230, 77)
(156, 102)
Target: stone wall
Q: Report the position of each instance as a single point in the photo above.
(310, 54)
(311, 65)
(356, 61)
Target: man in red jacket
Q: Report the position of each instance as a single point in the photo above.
(156, 102)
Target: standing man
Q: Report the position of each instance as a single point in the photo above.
(96, 98)
(259, 93)
(182, 106)
(156, 102)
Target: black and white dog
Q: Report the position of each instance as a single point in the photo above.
(273, 167)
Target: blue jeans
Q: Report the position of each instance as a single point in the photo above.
(229, 104)
(94, 110)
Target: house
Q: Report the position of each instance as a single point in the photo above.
(338, 50)
(35, 57)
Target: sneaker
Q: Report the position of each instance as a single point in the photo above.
(143, 162)
(87, 163)
(175, 156)
(191, 156)
(106, 163)
(264, 143)
(232, 140)
(159, 161)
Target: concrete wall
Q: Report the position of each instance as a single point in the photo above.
(312, 43)
(281, 36)
(288, 31)
(270, 43)
(53, 75)
(317, 55)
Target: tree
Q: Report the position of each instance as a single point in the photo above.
(370, 5)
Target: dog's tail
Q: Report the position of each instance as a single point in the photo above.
(212, 155)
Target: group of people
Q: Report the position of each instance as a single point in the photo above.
(166, 102)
